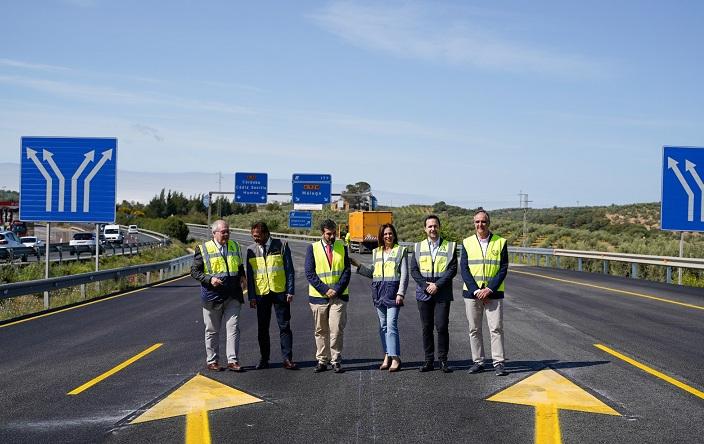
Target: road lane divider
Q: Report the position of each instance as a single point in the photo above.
(195, 399)
(114, 370)
(615, 290)
(652, 371)
(549, 392)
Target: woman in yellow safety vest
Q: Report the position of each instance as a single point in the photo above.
(389, 274)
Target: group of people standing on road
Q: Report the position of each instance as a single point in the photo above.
(266, 272)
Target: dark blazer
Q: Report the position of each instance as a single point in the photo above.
(208, 293)
(444, 283)
(315, 281)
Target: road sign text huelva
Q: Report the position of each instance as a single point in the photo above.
(251, 188)
(68, 179)
(311, 188)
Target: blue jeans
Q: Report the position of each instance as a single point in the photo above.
(388, 330)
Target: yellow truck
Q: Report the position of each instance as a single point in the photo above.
(364, 226)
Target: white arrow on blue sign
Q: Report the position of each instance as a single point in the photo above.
(46, 195)
(300, 219)
(682, 207)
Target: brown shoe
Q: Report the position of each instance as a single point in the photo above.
(385, 364)
(214, 367)
(234, 367)
(290, 365)
(395, 364)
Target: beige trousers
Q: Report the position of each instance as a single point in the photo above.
(494, 310)
(330, 320)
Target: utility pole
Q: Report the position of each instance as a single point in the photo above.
(219, 199)
(523, 203)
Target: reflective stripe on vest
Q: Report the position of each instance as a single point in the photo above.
(428, 267)
(484, 268)
(388, 270)
(329, 275)
(269, 272)
(214, 263)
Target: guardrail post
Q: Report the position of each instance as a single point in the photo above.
(161, 274)
(606, 267)
(46, 300)
(579, 264)
(634, 270)
(668, 275)
(149, 277)
(557, 262)
(83, 291)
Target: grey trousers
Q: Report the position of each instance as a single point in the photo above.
(494, 310)
(230, 311)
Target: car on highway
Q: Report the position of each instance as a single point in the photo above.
(8, 240)
(112, 234)
(132, 229)
(32, 241)
(84, 241)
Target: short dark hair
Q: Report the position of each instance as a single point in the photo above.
(328, 224)
(381, 234)
(431, 216)
(480, 211)
(261, 226)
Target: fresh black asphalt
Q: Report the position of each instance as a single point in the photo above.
(548, 324)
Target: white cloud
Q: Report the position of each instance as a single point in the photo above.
(404, 30)
(32, 66)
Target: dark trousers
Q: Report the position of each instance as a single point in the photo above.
(283, 317)
(435, 315)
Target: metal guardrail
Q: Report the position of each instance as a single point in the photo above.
(12, 254)
(166, 269)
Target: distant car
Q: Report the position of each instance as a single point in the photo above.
(18, 227)
(132, 229)
(82, 239)
(112, 234)
(8, 239)
(32, 241)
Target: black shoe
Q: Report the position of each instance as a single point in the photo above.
(262, 365)
(427, 367)
(444, 367)
(320, 367)
(476, 368)
(337, 368)
(500, 370)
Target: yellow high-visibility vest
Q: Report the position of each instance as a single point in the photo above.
(328, 274)
(387, 270)
(269, 272)
(484, 268)
(428, 267)
(214, 263)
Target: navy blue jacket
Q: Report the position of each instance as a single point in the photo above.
(322, 288)
(494, 283)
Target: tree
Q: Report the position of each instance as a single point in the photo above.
(174, 227)
(358, 196)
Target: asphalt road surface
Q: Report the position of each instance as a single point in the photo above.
(553, 319)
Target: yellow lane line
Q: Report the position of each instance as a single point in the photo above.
(197, 428)
(652, 371)
(91, 303)
(114, 370)
(630, 293)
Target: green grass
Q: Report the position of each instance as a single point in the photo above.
(24, 305)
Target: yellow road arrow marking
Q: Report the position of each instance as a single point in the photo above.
(194, 399)
(548, 392)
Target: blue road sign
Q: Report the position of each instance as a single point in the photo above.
(682, 189)
(68, 179)
(311, 188)
(300, 219)
(251, 188)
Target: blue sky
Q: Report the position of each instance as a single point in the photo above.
(466, 102)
